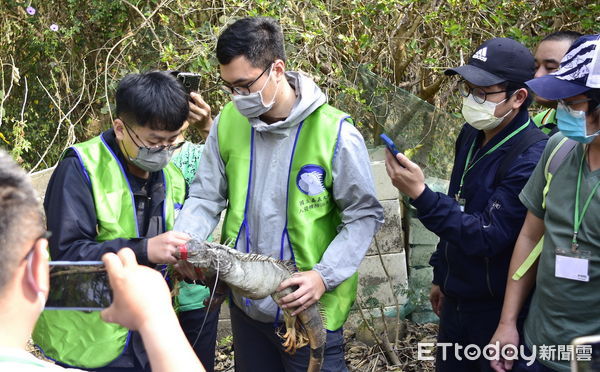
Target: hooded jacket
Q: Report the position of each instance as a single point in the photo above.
(353, 192)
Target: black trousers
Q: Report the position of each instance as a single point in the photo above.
(463, 327)
(257, 347)
(203, 342)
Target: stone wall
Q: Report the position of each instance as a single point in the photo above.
(421, 244)
(378, 289)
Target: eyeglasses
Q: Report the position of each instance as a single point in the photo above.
(154, 149)
(569, 105)
(241, 90)
(44, 235)
(479, 95)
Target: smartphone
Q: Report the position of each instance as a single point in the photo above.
(586, 352)
(390, 144)
(78, 285)
(190, 81)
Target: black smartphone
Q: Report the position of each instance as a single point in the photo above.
(78, 285)
(586, 354)
(390, 144)
(190, 81)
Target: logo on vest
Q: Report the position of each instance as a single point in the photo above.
(481, 54)
(310, 179)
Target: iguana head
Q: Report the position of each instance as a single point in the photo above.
(204, 255)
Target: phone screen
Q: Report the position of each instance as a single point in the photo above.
(78, 285)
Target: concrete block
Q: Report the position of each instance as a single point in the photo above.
(223, 328)
(389, 237)
(418, 234)
(224, 313)
(383, 185)
(377, 153)
(355, 319)
(419, 255)
(373, 285)
(437, 184)
(420, 278)
(40, 181)
(421, 317)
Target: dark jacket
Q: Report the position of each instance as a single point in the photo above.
(472, 258)
(71, 217)
(71, 214)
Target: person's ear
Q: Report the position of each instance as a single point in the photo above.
(518, 98)
(119, 128)
(278, 69)
(38, 276)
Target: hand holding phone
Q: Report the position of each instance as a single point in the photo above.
(190, 81)
(141, 295)
(389, 144)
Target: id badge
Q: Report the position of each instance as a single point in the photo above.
(572, 265)
(461, 203)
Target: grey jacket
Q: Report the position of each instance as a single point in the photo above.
(353, 192)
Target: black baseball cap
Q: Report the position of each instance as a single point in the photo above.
(496, 61)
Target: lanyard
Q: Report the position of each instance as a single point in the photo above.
(469, 165)
(578, 217)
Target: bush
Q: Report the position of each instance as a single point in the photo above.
(61, 60)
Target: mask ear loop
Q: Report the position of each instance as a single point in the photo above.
(263, 88)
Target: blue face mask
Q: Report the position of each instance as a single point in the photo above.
(572, 124)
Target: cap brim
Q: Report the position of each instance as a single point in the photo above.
(475, 75)
(553, 88)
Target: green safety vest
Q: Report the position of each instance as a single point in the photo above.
(546, 121)
(312, 220)
(81, 338)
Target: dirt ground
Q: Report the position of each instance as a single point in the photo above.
(359, 356)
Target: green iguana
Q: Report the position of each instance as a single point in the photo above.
(256, 276)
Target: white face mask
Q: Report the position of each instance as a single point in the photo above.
(481, 115)
(252, 105)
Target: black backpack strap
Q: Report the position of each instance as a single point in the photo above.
(560, 154)
(527, 139)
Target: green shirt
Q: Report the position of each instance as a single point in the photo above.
(562, 309)
(187, 160)
(191, 296)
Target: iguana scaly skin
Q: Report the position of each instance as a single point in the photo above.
(256, 276)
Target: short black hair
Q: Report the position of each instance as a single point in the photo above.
(20, 216)
(567, 35)
(259, 39)
(152, 99)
